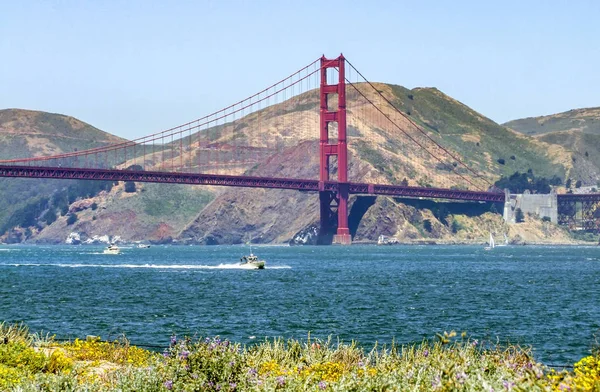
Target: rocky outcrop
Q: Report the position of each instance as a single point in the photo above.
(307, 236)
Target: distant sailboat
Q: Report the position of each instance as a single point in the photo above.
(505, 241)
(491, 243)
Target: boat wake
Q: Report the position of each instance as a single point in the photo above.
(147, 266)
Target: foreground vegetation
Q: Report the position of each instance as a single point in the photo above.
(29, 362)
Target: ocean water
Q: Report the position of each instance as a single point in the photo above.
(544, 297)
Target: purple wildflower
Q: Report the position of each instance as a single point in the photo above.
(475, 343)
(168, 384)
(426, 353)
(508, 385)
(322, 385)
(252, 372)
(173, 340)
(207, 340)
(166, 354)
(232, 385)
(280, 381)
(184, 354)
(360, 364)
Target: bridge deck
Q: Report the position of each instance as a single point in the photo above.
(244, 181)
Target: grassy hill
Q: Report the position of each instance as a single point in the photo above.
(27, 133)
(585, 120)
(577, 131)
(43, 207)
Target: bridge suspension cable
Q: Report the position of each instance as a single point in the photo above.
(177, 134)
(418, 128)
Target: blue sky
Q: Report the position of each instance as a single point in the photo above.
(136, 67)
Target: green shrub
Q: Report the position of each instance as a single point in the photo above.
(71, 219)
(456, 227)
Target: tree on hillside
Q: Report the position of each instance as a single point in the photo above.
(130, 187)
(71, 219)
(49, 217)
(441, 213)
(427, 225)
(135, 167)
(519, 216)
(520, 182)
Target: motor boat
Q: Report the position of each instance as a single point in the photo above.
(143, 246)
(112, 250)
(252, 261)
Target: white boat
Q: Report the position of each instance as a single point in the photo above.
(491, 243)
(252, 261)
(112, 250)
(384, 240)
(505, 241)
(143, 246)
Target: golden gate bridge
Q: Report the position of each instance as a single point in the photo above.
(296, 134)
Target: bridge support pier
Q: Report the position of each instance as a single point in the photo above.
(342, 237)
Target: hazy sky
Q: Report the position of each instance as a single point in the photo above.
(136, 67)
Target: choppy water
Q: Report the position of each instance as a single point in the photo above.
(546, 297)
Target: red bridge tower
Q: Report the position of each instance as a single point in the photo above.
(331, 202)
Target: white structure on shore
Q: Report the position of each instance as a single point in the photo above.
(539, 204)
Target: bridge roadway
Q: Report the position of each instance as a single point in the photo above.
(244, 181)
(265, 182)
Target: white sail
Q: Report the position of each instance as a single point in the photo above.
(491, 241)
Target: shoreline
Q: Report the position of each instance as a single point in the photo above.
(283, 244)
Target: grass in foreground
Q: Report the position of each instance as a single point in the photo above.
(31, 363)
